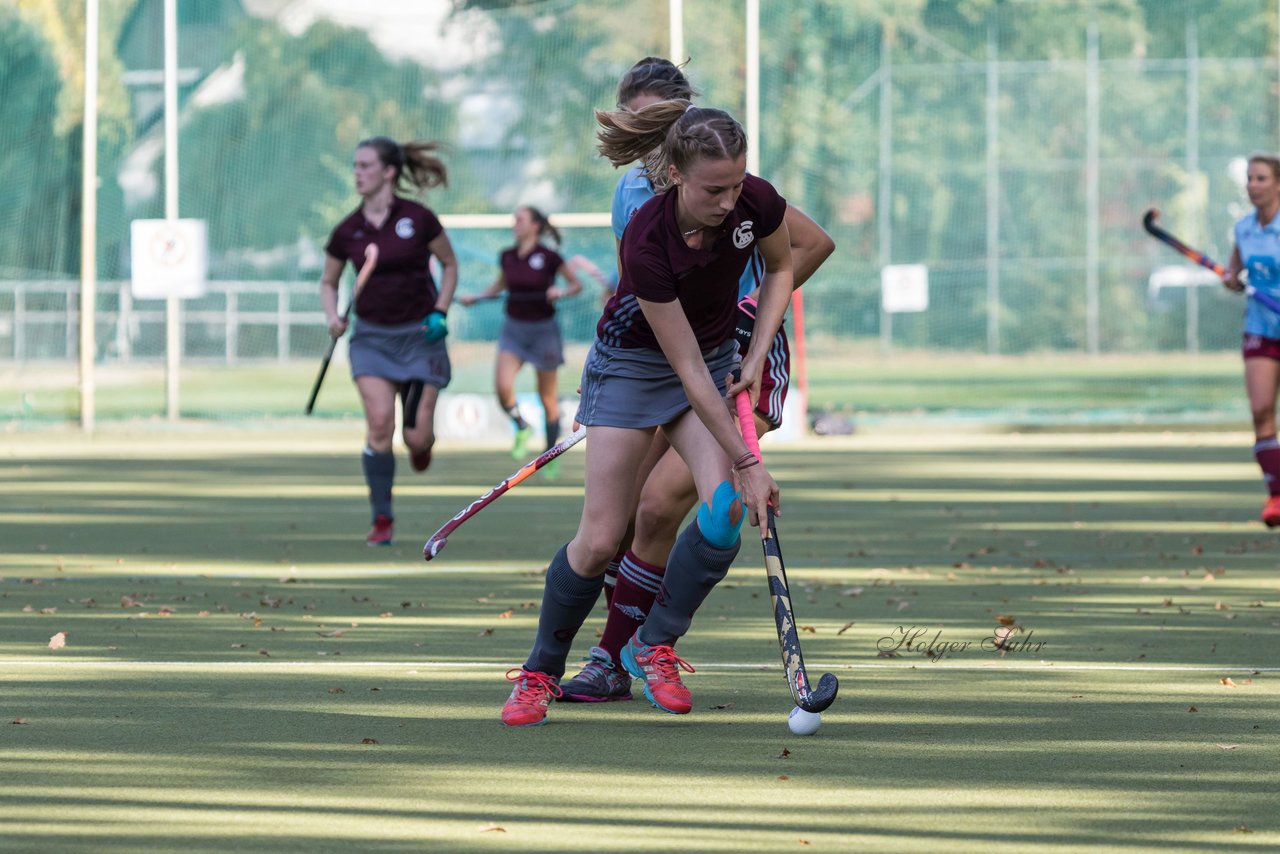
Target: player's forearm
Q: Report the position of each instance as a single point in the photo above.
(448, 285)
(772, 301)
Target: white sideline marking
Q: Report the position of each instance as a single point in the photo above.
(816, 667)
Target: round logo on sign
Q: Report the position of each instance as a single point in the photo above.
(168, 247)
(404, 228)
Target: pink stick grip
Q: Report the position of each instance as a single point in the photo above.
(747, 422)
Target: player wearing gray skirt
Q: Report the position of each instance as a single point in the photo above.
(664, 350)
(397, 349)
(530, 333)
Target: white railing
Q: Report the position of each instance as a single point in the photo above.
(40, 319)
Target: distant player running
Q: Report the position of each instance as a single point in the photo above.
(668, 494)
(530, 332)
(398, 346)
(662, 357)
(1257, 250)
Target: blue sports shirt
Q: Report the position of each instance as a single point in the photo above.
(1259, 247)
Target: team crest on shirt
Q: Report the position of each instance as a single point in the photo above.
(742, 235)
(537, 261)
(404, 228)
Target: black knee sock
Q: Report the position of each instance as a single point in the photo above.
(553, 431)
(567, 600)
(379, 473)
(694, 568)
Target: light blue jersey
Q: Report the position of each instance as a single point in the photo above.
(634, 189)
(1260, 253)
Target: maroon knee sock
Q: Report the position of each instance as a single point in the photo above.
(611, 577)
(638, 583)
(1267, 453)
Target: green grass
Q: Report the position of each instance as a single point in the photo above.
(1049, 389)
(242, 673)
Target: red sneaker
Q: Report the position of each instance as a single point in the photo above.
(420, 460)
(659, 667)
(533, 692)
(381, 533)
(1271, 512)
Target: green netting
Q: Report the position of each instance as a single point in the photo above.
(1009, 146)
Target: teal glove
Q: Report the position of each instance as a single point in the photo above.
(434, 328)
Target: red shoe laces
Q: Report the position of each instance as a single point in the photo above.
(665, 659)
(532, 685)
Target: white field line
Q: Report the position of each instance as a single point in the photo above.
(815, 667)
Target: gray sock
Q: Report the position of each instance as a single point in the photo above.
(694, 568)
(379, 473)
(567, 600)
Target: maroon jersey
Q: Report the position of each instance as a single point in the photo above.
(527, 281)
(401, 288)
(657, 265)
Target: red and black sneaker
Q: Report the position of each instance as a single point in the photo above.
(381, 535)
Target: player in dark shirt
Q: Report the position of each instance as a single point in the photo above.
(530, 333)
(634, 575)
(397, 347)
(663, 357)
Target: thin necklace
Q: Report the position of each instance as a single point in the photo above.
(691, 231)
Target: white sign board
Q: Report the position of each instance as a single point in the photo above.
(170, 258)
(904, 287)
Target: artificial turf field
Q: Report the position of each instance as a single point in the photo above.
(240, 672)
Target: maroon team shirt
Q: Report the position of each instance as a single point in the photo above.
(401, 288)
(527, 281)
(657, 265)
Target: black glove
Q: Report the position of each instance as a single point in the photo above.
(745, 323)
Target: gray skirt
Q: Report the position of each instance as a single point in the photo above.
(638, 387)
(536, 342)
(398, 353)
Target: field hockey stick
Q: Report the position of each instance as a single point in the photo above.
(806, 697)
(370, 261)
(440, 537)
(1149, 223)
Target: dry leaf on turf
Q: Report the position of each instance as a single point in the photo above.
(336, 691)
(1228, 746)
(783, 777)
(784, 754)
(18, 721)
(58, 641)
(1193, 709)
(1227, 681)
(369, 741)
(845, 627)
(1005, 620)
(493, 828)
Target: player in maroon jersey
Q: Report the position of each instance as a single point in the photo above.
(634, 576)
(663, 356)
(397, 347)
(530, 332)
